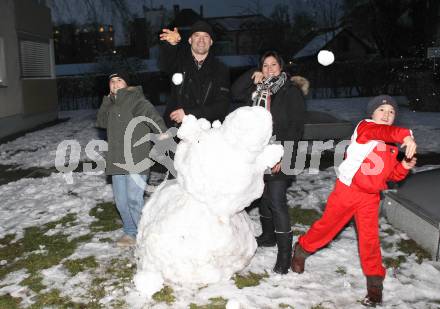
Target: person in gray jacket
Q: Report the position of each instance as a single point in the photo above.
(128, 165)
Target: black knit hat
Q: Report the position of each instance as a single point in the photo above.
(202, 26)
(122, 75)
(378, 101)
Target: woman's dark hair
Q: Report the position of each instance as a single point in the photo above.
(271, 53)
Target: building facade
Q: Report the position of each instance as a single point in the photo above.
(28, 92)
(78, 44)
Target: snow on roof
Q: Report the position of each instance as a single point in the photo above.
(317, 43)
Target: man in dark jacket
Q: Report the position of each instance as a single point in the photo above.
(128, 165)
(200, 81)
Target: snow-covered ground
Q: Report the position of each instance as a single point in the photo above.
(332, 279)
(39, 148)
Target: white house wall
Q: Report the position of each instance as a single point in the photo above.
(11, 92)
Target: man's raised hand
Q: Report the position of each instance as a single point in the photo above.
(171, 36)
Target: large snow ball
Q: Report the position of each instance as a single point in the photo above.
(186, 244)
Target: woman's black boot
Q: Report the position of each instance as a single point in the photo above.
(267, 238)
(284, 256)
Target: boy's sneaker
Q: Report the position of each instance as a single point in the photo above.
(368, 302)
(126, 241)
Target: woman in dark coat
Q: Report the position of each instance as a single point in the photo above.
(270, 87)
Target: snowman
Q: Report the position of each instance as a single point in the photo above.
(194, 230)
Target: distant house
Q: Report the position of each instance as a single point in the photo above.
(28, 91)
(241, 35)
(342, 42)
(184, 19)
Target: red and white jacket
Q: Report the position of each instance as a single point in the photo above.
(370, 160)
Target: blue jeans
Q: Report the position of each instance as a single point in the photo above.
(128, 191)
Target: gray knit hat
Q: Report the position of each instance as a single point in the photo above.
(378, 101)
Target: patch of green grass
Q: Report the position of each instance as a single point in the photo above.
(394, 262)
(97, 290)
(108, 218)
(386, 245)
(106, 239)
(250, 279)
(64, 221)
(84, 238)
(21, 255)
(120, 304)
(341, 270)
(390, 231)
(79, 265)
(409, 247)
(53, 299)
(9, 302)
(164, 295)
(318, 306)
(122, 269)
(9, 252)
(303, 216)
(34, 282)
(7, 239)
(286, 306)
(215, 303)
(297, 232)
(58, 248)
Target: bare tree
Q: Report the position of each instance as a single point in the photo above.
(93, 10)
(328, 12)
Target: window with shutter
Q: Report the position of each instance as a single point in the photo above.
(34, 59)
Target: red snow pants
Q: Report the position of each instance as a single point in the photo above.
(344, 203)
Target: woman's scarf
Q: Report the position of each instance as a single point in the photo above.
(269, 86)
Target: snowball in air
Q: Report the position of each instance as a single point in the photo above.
(326, 57)
(177, 78)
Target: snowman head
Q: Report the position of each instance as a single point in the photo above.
(249, 128)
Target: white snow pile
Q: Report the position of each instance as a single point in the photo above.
(194, 230)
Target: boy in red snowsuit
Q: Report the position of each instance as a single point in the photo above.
(370, 162)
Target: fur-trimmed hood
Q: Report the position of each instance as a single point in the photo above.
(302, 83)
